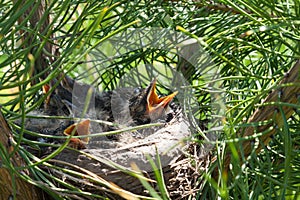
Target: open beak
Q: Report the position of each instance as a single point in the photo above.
(81, 129)
(156, 105)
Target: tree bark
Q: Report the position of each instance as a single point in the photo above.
(8, 189)
(271, 112)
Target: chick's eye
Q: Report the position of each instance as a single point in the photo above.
(137, 90)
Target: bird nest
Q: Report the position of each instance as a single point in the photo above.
(103, 165)
(113, 160)
(181, 164)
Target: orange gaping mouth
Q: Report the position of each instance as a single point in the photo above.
(156, 105)
(81, 129)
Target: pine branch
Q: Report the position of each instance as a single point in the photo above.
(11, 185)
(271, 112)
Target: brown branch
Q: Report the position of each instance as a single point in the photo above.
(50, 52)
(221, 7)
(288, 94)
(24, 190)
